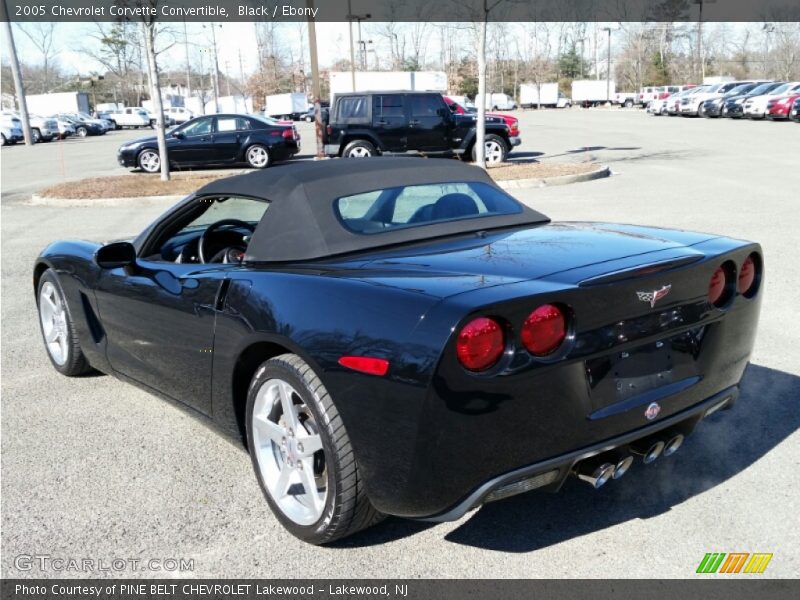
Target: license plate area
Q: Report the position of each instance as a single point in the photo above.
(623, 375)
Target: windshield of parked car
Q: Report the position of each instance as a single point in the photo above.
(411, 206)
(741, 89)
(764, 88)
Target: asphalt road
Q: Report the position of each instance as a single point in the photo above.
(93, 468)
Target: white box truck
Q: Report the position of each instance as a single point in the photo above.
(376, 81)
(532, 95)
(286, 106)
(63, 102)
(593, 92)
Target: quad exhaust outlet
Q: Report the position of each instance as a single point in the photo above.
(599, 470)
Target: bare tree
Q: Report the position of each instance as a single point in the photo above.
(42, 37)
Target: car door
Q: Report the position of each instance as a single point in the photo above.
(389, 121)
(229, 133)
(158, 318)
(193, 143)
(428, 123)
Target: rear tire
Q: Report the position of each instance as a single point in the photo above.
(82, 132)
(58, 330)
(359, 149)
(36, 135)
(336, 506)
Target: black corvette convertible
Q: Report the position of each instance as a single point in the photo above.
(400, 336)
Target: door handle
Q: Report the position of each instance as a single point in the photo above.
(413, 122)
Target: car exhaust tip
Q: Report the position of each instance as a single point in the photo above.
(672, 444)
(649, 450)
(623, 464)
(596, 475)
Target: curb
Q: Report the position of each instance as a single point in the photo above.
(514, 184)
(37, 200)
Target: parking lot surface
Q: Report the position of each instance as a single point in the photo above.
(96, 468)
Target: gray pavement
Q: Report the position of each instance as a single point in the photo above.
(95, 468)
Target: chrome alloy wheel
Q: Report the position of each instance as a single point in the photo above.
(150, 161)
(494, 153)
(53, 315)
(359, 152)
(288, 449)
(257, 157)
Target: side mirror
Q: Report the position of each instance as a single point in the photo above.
(115, 255)
(178, 134)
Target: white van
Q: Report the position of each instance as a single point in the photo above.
(500, 102)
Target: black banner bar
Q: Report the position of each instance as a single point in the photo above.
(740, 587)
(404, 10)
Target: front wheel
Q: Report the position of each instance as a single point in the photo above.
(36, 135)
(359, 149)
(82, 132)
(149, 161)
(301, 454)
(257, 156)
(701, 112)
(57, 329)
(628, 103)
(5, 141)
(495, 150)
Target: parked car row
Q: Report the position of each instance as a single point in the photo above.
(734, 99)
(43, 129)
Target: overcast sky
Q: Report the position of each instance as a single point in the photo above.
(233, 40)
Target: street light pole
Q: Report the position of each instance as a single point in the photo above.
(17, 75)
(312, 49)
(608, 65)
(352, 50)
(188, 65)
(215, 81)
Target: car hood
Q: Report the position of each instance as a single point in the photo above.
(454, 265)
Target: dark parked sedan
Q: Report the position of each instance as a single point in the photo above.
(400, 336)
(794, 112)
(210, 140)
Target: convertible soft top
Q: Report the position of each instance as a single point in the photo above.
(301, 223)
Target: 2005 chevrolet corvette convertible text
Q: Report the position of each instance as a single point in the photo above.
(400, 336)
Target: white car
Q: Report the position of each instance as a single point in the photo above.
(42, 129)
(65, 127)
(179, 113)
(693, 104)
(755, 107)
(11, 128)
(658, 106)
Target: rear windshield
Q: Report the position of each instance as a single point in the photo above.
(416, 205)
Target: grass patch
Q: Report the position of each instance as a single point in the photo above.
(138, 185)
(534, 170)
(135, 185)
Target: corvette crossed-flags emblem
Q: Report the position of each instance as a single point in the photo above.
(654, 296)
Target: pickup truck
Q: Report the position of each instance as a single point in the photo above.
(400, 122)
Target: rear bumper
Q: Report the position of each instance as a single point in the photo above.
(549, 475)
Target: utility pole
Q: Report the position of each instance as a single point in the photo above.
(312, 49)
(17, 75)
(241, 74)
(700, 49)
(216, 65)
(352, 50)
(188, 64)
(608, 65)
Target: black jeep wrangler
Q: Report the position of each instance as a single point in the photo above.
(373, 123)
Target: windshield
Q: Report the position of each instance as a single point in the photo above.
(741, 89)
(781, 89)
(763, 88)
(416, 205)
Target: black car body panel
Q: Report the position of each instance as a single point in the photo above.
(216, 147)
(431, 438)
(390, 122)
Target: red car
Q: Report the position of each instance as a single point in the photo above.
(511, 122)
(779, 108)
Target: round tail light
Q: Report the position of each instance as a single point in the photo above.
(480, 344)
(717, 287)
(747, 275)
(544, 330)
